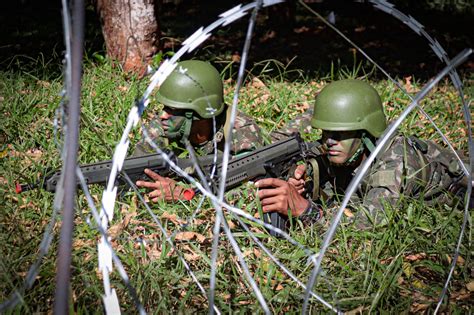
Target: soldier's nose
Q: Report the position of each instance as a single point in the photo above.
(330, 141)
(164, 115)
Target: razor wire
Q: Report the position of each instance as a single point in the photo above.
(165, 69)
(443, 56)
(113, 256)
(199, 37)
(225, 161)
(33, 271)
(71, 146)
(283, 267)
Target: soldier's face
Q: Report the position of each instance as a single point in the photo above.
(173, 119)
(341, 145)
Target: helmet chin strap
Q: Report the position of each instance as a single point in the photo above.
(365, 143)
(186, 127)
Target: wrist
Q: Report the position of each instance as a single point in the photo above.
(312, 213)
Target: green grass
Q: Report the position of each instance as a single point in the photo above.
(398, 268)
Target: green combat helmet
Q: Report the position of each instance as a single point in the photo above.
(194, 85)
(195, 90)
(349, 105)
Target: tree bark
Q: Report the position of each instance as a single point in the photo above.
(131, 31)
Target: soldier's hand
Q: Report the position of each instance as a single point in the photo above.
(280, 196)
(163, 188)
(298, 178)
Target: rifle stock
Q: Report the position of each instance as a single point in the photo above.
(98, 173)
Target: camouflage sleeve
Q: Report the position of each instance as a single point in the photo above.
(301, 123)
(402, 170)
(397, 171)
(246, 135)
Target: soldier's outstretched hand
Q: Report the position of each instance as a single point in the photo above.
(280, 196)
(163, 188)
(298, 178)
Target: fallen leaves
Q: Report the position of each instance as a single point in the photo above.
(415, 257)
(123, 88)
(470, 286)
(188, 236)
(408, 85)
(348, 213)
(236, 57)
(459, 262)
(461, 295)
(257, 83)
(173, 218)
(302, 107)
(153, 253)
(43, 83)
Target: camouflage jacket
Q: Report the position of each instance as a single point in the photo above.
(301, 123)
(246, 136)
(406, 167)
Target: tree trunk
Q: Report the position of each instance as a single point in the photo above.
(131, 31)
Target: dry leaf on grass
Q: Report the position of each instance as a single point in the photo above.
(461, 295)
(199, 221)
(470, 286)
(79, 243)
(417, 307)
(191, 256)
(302, 107)
(256, 82)
(115, 230)
(236, 57)
(257, 253)
(187, 236)
(43, 83)
(348, 213)
(415, 257)
(459, 262)
(154, 253)
(173, 218)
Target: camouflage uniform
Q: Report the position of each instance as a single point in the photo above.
(408, 167)
(246, 136)
(301, 123)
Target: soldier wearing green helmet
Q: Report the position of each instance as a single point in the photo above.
(194, 110)
(350, 115)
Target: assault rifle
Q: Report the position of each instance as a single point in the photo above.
(274, 160)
